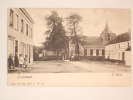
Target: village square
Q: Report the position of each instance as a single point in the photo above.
(66, 48)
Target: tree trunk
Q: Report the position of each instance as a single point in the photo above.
(77, 44)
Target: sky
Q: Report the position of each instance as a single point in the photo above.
(92, 24)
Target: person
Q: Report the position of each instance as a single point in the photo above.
(72, 58)
(21, 60)
(26, 61)
(75, 58)
(16, 61)
(10, 62)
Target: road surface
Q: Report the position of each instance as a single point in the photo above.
(60, 66)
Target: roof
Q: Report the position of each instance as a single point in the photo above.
(91, 41)
(107, 29)
(121, 38)
(27, 14)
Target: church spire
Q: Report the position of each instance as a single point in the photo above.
(106, 29)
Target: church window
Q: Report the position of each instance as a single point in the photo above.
(91, 52)
(97, 52)
(103, 52)
(85, 52)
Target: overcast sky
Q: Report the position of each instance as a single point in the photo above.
(93, 20)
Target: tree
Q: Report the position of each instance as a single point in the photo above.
(56, 35)
(73, 28)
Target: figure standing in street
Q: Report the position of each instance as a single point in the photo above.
(72, 58)
(26, 61)
(16, 60)
(21, 60)
(10, 62)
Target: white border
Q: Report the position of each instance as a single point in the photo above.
(56, 93)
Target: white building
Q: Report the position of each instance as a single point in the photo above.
(115, 50)
(128, 55)
(20, 33)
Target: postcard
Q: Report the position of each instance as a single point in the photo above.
(69, 47)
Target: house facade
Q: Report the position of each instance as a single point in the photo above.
(115, 50)
(20, 33)
(128, 55)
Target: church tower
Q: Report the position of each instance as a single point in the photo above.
(107, 35)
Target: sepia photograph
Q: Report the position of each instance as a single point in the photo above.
(66, 43)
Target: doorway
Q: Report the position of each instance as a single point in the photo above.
(16, 46)
(123, 56)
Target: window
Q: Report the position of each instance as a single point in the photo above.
(119, 45)
(26, 29)
(91, 52)
(97, 52)
(16, 22)
(128, 44)
(11, 18)
(103, 52)
(22, 25)
(31, 33)
(85, 52)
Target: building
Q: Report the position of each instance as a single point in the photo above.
(92, 47)
(128, 56)
(115, 50)
(74, 47)
(20, 33)
(107, 35)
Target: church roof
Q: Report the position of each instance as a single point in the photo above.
(121, 38)
(91, 41)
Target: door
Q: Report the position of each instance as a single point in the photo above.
(123, 56)
(29, 53)
(16, 46)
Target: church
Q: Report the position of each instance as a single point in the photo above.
(92, 47)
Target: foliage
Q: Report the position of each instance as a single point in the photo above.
(73, 28)
(73, 23)
(56, 34)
